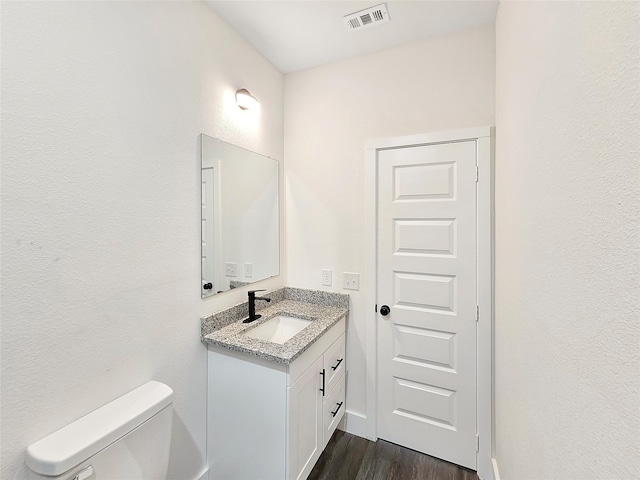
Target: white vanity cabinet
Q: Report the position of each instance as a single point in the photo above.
(316, 405)
(268, 420)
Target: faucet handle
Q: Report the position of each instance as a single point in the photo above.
(261, 290)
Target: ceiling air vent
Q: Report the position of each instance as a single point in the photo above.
(369, 17)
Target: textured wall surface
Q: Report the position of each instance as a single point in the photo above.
(102, 107)
(567, 219)
(330, 112)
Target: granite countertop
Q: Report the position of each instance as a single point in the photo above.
(225, 329)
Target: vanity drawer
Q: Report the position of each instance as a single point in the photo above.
(334, 361)
(334, 408)
(319, 348)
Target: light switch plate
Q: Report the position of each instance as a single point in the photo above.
(326, 278)
(248, 270)
(351, 281)
(230, 269)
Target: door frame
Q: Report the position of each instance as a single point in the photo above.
(216, 240)
(484, 138)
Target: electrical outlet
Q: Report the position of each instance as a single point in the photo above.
(230, 269)
(248, 270)
(351, 281)
(326, 278)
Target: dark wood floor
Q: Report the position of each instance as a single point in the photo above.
(348, 457)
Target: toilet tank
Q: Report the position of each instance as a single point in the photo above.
(126, 439)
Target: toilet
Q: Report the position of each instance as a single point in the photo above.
(126, 439)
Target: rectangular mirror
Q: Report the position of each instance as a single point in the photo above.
(240, 217)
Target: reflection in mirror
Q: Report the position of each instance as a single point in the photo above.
(240, 228)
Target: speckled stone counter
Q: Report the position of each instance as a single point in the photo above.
(226, 329)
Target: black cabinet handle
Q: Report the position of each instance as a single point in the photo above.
(322, 389)
(333, 414)
(384, 310)
(207, 286)
(337, 364)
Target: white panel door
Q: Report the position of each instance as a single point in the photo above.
(427, 277)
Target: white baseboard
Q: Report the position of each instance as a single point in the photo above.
(355, 423)
(496, 473)
(204, 475)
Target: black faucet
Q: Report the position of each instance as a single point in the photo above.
(252, 305)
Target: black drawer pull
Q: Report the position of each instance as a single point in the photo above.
(333, 414)
(322, 389)
(337, 364)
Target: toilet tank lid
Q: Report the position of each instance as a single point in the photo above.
(76, 442)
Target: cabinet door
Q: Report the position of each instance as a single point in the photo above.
(334, 363)
(334, 407)
(305, 439)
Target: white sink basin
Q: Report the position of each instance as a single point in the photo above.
(278, 329)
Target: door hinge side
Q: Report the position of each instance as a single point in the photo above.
(477, 313)
(477, 175)
(477, 442)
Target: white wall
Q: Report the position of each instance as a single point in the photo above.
(331, 111)
(567, 236)
(102, 107)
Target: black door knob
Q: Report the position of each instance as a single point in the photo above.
(384, 310)
(207, 286)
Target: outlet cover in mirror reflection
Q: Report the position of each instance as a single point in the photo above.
(240, 217)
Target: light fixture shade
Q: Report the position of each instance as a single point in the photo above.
(245, 100)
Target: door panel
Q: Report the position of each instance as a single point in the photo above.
(425, 237)
(424, 402)
(424, 181)
(427, 276)
(428, 292)
(425, 346)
